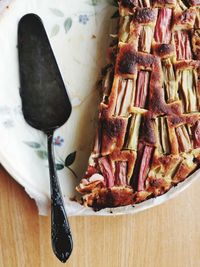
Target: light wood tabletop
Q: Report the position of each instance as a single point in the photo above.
(164, 236)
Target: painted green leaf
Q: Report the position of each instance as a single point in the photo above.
(42, 154)
(70, 159)
(59, 166)
(32, 144)
(55, 30)
(115, 15)
(113, 2)
(95, 2)
(67, 24)
(57, 12)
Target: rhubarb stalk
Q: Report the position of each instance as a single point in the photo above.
(142, 89)
(120, 173)
(162, 30)
(144, 168)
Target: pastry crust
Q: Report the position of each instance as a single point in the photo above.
(148, 135)
(109, 197)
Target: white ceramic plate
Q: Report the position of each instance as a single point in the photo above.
(78, 32)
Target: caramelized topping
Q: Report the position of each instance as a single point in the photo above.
(164, 50)
(145, 15)
(129, 60)
(113, 134)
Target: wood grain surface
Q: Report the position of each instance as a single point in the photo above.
(164, 236)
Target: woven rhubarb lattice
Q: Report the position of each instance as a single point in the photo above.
(148, 136)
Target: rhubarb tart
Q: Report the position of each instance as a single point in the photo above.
(148, 133)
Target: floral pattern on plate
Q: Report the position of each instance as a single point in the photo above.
(79, 33)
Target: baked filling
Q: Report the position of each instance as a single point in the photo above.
(148, 134)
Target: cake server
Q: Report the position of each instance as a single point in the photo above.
(46, 107)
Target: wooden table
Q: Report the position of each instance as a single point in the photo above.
(165, 236)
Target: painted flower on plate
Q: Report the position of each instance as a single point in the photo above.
(58, 141)
(83, 19)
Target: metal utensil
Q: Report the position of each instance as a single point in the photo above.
(46, 107)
